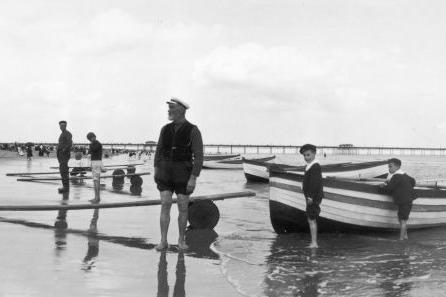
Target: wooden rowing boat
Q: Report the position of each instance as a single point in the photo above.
(145, 202)
(234, 163)
(81, 177)
(258, 171)
(349, 205)
(218, 157)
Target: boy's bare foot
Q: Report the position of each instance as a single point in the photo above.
(313, 245)
(162, 246)
(95, 200)
(182, 245)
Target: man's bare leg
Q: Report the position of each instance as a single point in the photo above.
(313, 232)
(403, 230)
(166, 203)
(183, 204)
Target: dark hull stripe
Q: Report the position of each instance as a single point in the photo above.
(361, 201)
(285, 218)
(255, 178)
(357, 185)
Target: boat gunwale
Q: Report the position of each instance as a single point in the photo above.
(357, 185)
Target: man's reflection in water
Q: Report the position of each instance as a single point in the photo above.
(93, 242)
(163, 285)
(60, 234)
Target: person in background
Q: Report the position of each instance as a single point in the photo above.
(401, 187)
(313, 189)
(95, 151)
(29, 152)
(63, 155)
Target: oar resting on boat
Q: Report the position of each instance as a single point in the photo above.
(81, 177)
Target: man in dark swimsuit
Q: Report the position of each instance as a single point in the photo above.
(178, 162)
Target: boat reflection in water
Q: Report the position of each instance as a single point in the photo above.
(93, 242)
(347, 268)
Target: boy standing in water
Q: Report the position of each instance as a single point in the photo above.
(95, 151)
(401, 187)
(313, 189)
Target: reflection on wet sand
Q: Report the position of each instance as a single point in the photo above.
(93, 242)
(394, 270)
(60, 235)
(163, 285)
(199, 242)
(292, 269)
(361, 267)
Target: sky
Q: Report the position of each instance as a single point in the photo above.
(253, 71)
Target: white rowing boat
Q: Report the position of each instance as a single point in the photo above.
(349, 205)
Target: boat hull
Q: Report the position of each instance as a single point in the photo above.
(349, 206)
(236, 163)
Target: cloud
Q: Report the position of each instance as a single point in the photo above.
(283, 75)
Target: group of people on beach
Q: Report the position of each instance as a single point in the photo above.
(177, 165)
(178, 162)
(398, 184)
(63, 153)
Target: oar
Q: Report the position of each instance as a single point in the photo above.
(214, 197)
(80, 177)
(37, 173)
(109, 165)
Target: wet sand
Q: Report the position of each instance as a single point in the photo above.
(117, 260)
(243, 257)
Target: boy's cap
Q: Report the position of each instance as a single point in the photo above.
(178, 101)
(395, 161)
(62, 122)
(307, 147)
(90, 135)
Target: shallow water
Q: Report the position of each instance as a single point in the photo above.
(243, 257)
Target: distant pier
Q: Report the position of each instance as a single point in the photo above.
(284, 149)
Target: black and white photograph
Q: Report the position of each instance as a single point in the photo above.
(222, 148)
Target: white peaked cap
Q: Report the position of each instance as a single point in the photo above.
(178, 101)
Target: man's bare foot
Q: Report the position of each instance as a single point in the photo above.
(95, 200)
(162, 246)
(182, 246)
(313, 246)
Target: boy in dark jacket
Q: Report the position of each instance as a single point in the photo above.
(313, 189)
(401, 187)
